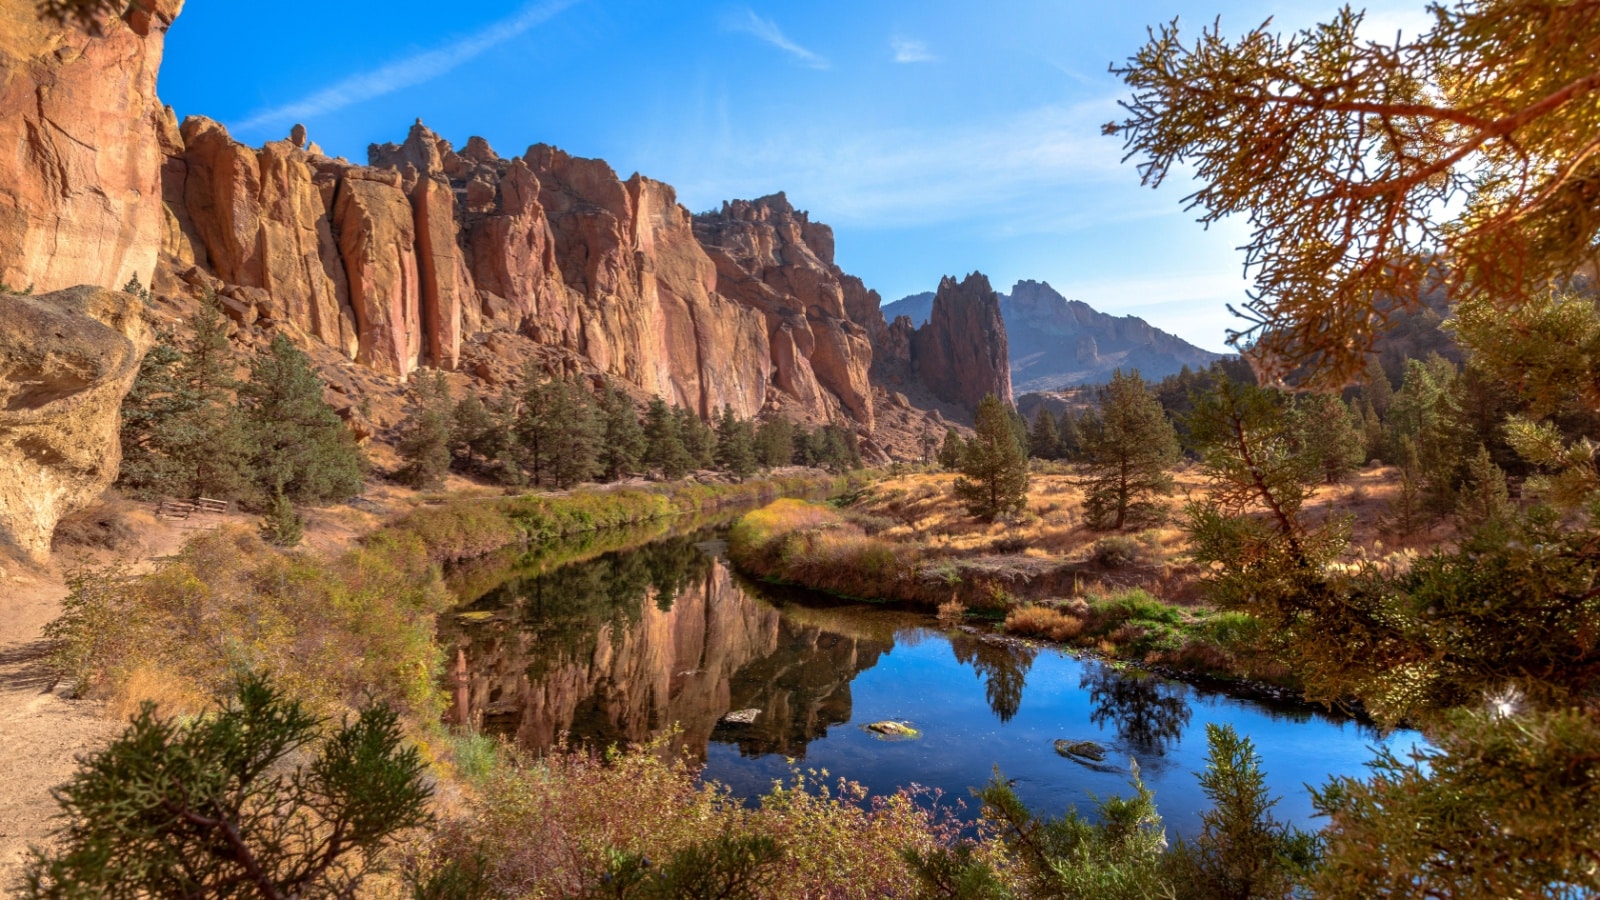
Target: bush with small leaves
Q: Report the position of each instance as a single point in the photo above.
(217, 807)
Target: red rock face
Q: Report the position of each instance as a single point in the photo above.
(961, 354)
(776, 260)
(80, 151)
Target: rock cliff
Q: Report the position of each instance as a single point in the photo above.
(771, 258)
(404, 262)
(66, 361)
(959, 355)
(81, 136)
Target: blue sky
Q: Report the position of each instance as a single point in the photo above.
(936, 137)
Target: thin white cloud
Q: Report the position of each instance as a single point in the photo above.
(768, 31)
(412, 70)
(857, 173)
(907, 50)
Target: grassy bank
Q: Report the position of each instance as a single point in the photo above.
(852, 554)
(334, 631)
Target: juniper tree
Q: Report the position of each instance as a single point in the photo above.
(557, 432)
(1325, 431)
(952, 451)
(1362, 164)
(260, 799)
(1069, 436)
(181, 431)
(424, 443)
(699, 441)
(994, 468)
(1044, 442)
(1126, 454)
(472, 432)
(300, 447)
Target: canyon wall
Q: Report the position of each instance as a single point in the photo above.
(81, 137)
(401, 262)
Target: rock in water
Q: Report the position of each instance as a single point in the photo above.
(741, 717)
(1081, 750)
(892, 730)
(66, 361)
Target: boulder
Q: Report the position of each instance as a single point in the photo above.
(890, 730)
(1081, 750)
(67, 359)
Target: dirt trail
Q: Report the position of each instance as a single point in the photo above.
(41, 731)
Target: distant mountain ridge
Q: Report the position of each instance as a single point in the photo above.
(1056, 342)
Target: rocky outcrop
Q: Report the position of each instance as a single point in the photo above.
(66, 361)
(80, 147)
(961, 355)
(773, 258)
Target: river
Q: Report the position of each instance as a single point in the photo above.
(625, 645)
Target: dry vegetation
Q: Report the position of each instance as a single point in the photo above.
(1130, 594)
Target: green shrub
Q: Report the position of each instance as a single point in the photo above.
(213, 807)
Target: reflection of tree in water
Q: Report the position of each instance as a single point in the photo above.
(1003, 668)
(567, 610)
(1148, 713)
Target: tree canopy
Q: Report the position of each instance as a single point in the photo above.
(1370, 170)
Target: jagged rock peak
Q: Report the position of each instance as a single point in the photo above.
(961, 355)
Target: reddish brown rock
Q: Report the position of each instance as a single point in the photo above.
(378, 242)
(961, 354)
(774, 259)
(80, 157)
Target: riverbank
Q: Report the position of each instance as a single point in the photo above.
(169, 615)
(1119, 596)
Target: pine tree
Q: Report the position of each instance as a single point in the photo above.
(424, 443)
(699, 441)
(1484, 497)
(952, 451)
(471, 425)
(1325, 431)
(181, 432)
(1126, 454)
(1044, 442)
(1069, 436)
(736, 451)
(558, 435)
(775, 442)
(622, 445)
(300, 447)
(664, 451)
(994, 468)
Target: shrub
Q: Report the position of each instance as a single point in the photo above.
(1115, 552)
(1044, 622)
(210, 808)
(100, 527)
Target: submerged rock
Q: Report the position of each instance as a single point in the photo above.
(741, 717)
(1081, 750)
(889, 729)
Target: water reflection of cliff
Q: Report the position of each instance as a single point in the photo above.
(619, 648)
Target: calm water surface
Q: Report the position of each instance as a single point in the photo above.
(627, 644)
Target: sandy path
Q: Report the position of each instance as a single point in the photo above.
(41, 732)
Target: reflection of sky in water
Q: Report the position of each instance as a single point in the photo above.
(963, 738)
(617, 647)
